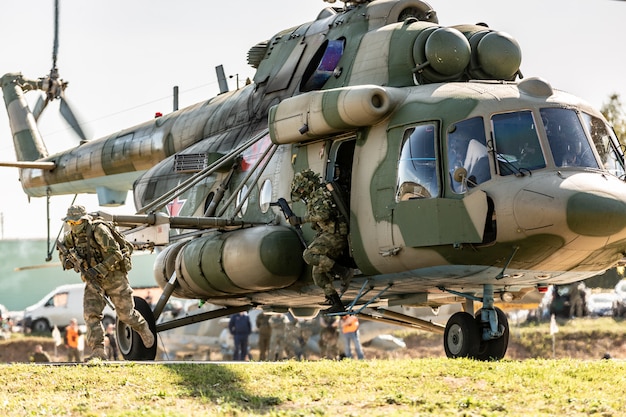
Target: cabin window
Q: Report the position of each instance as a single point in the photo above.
(606, 143)
(417, 167)
(467, 148)
(240, 202)
(516, 143)
(323, 65)
(265, 196)
(567, 138)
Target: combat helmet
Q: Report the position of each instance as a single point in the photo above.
(304, 183)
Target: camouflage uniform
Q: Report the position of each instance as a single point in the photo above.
(101, 255)
(278, 323)
(329, 336)
(265, 334)
(332, 232)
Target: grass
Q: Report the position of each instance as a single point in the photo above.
(321, 388)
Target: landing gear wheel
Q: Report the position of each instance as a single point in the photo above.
(461, 338)
(130, 342)
(494, 349)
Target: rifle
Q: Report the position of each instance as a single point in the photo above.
(284, 207)
(77, 261)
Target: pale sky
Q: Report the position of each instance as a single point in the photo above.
(122, 59)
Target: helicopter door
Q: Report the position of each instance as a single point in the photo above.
(339, 168)
(422, 216)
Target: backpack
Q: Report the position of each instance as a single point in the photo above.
(125, 246)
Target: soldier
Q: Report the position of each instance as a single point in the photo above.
(278, 323)
(265, 334)
(105, 273)
(329, 336)
(332, 235)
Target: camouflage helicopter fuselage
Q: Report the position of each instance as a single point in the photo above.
(374, 97)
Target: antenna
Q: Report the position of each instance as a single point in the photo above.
(221, 79)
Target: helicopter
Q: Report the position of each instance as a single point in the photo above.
(461, 180)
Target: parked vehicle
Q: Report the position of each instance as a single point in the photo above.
(619, 304)
(601, 304)
(57, 309)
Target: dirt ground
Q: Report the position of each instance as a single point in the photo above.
(419, 345)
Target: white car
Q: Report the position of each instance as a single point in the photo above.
(57, 309)
(601, 304)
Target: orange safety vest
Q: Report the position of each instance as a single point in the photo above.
(71, 336)
(350, 324)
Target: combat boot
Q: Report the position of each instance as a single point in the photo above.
(146, 335)
(336, 304)
(97, 354)
(344, 274)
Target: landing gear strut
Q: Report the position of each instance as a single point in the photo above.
(483, 337)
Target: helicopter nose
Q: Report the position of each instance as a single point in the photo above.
(596, 214)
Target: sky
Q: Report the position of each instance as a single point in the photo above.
(123, 58)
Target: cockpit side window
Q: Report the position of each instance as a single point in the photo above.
(467, 148)
(567, 138)
(517, 143)
(606, 143)
(417, 166)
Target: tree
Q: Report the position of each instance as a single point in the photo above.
(613, 111)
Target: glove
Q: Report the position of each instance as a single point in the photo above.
(68, 264)
(295, 220)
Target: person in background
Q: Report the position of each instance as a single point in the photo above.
(265, 334)
(72, 332)
(240, 327)
(111, 343)
(329, 336)
(350, 330)
(39, 355)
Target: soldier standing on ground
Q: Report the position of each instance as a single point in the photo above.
(331, 238)
(278, 323)
(105, 274)
(329, 336)
(265, 334)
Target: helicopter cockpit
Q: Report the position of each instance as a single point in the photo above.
(563, 138)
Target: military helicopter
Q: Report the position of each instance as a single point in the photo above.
(462, 181)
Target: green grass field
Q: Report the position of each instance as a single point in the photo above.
(321, 388)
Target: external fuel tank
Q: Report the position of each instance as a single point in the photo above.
(224, 263)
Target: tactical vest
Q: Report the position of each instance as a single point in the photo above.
(87, 248)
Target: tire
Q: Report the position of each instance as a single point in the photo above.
(129, 341)
(461, 339)
(40, 326)
(494, 349)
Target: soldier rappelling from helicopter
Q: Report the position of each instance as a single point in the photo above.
(331, 238)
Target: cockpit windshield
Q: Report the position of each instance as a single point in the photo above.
(567, 138)
(467, 148)
(606, 144)
(517, 144)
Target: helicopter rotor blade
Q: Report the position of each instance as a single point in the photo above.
(70, 117)
(40, 105)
